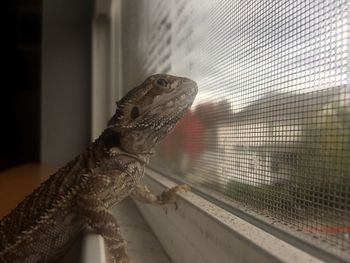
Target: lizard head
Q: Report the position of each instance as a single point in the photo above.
(150, 111)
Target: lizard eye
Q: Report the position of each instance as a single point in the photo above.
(162, 83)
(134, 113)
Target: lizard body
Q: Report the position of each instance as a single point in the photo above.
(80, 194)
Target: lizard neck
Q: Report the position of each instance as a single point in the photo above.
(107, 146)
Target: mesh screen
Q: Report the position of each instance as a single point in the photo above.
(270, 128)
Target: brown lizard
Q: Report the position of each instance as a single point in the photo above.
(80, 194)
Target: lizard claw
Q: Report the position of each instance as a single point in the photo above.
(165, 210)
(184, 187)
(169, 196)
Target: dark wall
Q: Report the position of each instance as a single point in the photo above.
(20, 78)
(66, 77)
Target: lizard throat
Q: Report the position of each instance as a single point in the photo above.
(143, 158)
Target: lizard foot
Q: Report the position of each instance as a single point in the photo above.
(169, 196)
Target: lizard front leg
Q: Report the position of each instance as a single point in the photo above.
(142, 194)
(103, 222)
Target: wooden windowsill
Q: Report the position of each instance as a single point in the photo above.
(18, 182)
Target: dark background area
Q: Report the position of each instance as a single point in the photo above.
(20, 92)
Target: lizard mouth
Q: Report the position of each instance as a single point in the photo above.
(165, 125)
(169, 121)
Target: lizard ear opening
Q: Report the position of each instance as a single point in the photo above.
(111, 139)
(135, 112)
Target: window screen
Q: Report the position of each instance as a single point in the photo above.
(270, 127)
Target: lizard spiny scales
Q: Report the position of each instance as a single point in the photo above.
(45, 223)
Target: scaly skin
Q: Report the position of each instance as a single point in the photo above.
(80, 194)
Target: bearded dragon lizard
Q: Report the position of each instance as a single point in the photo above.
(80, 194)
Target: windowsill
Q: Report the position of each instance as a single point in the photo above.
(200, 231)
